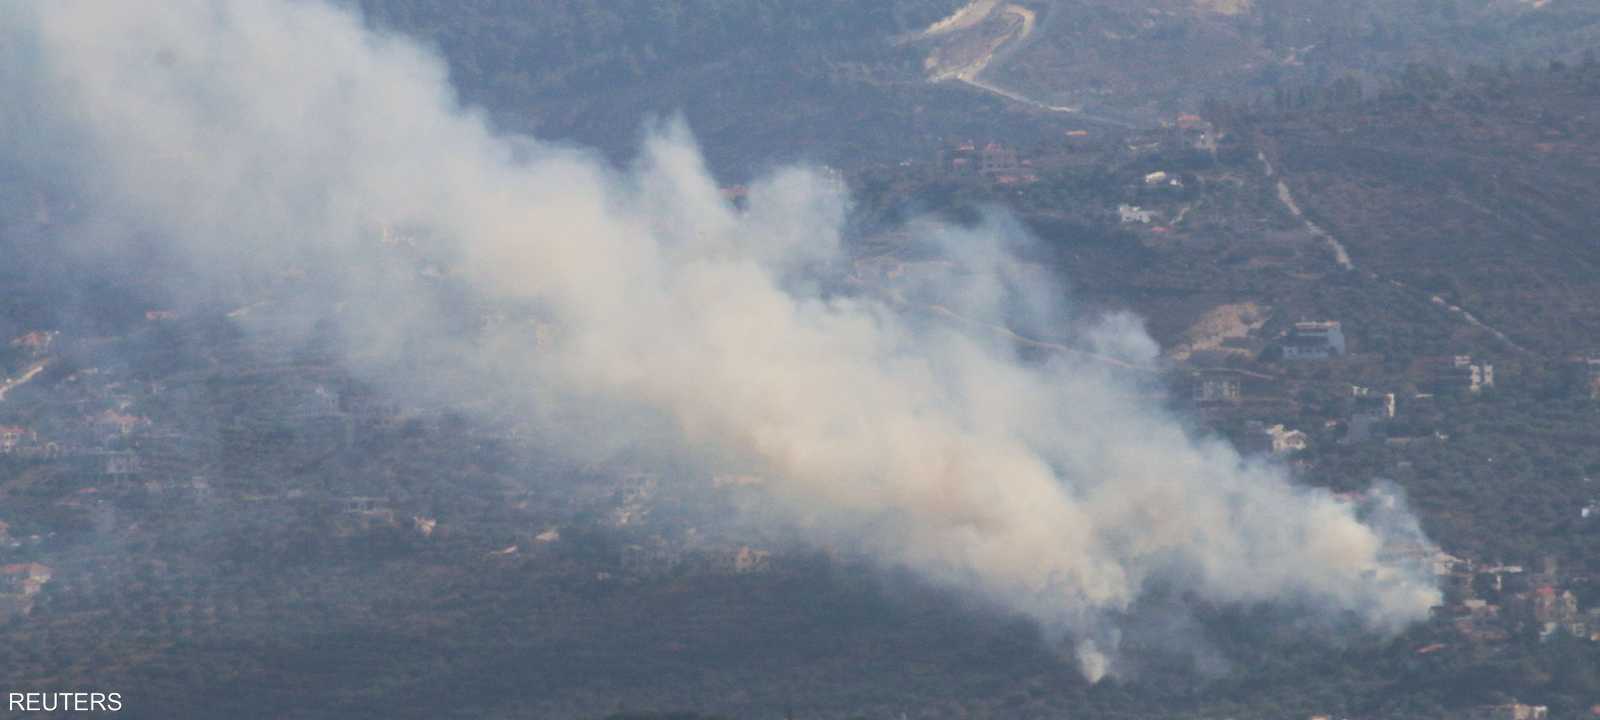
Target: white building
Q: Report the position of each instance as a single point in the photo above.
(1275, 439)
(1135, 214)
(1285, 441)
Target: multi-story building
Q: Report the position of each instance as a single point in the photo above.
(1217, 389)
(1275, 439)
(1458, 373)
(1314, 341)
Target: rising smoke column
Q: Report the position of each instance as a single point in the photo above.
(251, 137)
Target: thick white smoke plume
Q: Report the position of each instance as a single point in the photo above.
(260, 137)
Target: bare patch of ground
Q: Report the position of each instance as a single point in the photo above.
(1222, 323)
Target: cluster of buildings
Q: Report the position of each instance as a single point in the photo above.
(1131, 214)
(1218, 388)
(1490, 603)
(1178, 140)
(1458, 374)
(16, 439)
(1312, 340)
(658, 556)
(1227, 391)
(1552, 610)
(93, 451)
(91, 426)
(995, 161)
(1234, 392)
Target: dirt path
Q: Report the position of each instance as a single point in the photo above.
(1468, 317)
(15, 382)
(969, 15)
(1342, 256)
(972, 56)
(1020, 27)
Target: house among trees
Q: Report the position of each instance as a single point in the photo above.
(1370, 410)
(960, 160)
(14, 437)
(112, 423)
(1551, 611)
(997, 159)
(1423, 558)
(1134, 214)
(1197, 134)
(19, 584)
(1458, 373)
(1380, 405)
(994, 160)
(122, 464)
(1584, 373)
(1319, 340)
(367, 506)
(1214, 389)
(1274, 439)
(362, 514)
(1495, 577)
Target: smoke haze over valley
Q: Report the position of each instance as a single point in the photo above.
(311, 177)
(247, 139)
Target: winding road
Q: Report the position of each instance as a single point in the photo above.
(1015, 32)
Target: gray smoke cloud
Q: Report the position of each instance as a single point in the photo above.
(259, 139)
